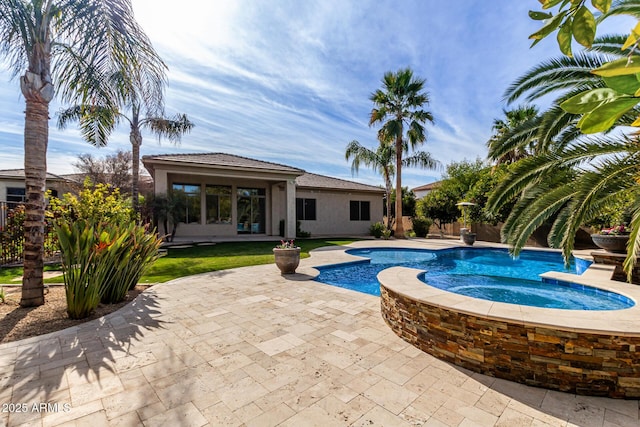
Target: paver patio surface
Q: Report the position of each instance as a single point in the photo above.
(250, 347)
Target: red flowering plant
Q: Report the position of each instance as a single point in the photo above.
(613, 216)
(615, 231)
(287, 244)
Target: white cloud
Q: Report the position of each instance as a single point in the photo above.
(289, 81)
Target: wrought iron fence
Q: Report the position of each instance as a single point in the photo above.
(12, 235)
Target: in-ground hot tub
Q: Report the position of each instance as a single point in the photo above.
(585, 352)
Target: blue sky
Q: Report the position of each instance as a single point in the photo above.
(289, 81)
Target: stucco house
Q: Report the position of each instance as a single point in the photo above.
(12, 188)
(423, 190)
(231, 195)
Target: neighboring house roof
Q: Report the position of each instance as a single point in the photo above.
(312, 180)
(222, 160)
(19, 174)
(427, 187)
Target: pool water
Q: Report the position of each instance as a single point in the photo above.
(490, 274)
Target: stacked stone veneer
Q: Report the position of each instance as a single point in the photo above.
(565, 360)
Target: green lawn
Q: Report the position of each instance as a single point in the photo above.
(201, 259)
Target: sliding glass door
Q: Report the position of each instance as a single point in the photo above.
(251, 210)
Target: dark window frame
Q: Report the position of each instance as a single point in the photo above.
(359, 210)
(218, 193)
(192, 198)
(306, 209)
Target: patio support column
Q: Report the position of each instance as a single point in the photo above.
(160, 182)
(290, 223)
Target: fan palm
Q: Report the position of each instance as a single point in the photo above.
(98, 122)
(398, 106)
(61, 47)
(382, 160)
(504, 131)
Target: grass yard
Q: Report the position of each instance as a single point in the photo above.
(201, 259)
(180, 262)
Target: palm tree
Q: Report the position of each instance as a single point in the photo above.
(516, 120)
(398, 106)
(572, 178)
(383, 160)
(104, 119)
(59, 47)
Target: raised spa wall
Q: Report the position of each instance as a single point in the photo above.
(539, 353)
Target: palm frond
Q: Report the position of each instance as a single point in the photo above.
(610, 44)
(421, 159)
(532, 212)
(172, 129)
(555, 74)
(633, 248)
(624, 7)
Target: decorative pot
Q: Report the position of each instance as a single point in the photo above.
(469, 238)
(616, 243)
(287, 260)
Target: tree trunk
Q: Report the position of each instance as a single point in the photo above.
(36, 135)
(136, 140)
(399, 234)
(388, 209)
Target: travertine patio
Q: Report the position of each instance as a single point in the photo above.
(249, 347)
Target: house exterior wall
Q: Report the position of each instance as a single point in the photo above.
(280, 194)
(202, 229)
(333, 213)
(5, 183)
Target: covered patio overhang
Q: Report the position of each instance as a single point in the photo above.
(267, 190)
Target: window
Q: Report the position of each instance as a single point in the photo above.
(359, 210)
(305, 209)
(252, 210)
(16, 195)
(191, 196)
(218, 204)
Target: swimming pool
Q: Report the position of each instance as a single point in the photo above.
(490, 274)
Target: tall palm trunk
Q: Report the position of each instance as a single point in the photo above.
(399, 234)
(38, 92)
(135, 137)
(136, 140)
(388, 201)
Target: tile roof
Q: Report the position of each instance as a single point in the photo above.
(427, 187)
(19, 174)
(304, 179)
(223, 160)
(312, 180)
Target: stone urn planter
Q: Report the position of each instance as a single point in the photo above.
(468, 238)
(287, 259)
(615, 243)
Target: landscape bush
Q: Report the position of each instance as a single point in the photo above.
(377, 229)
(104, 250)
(421, 226)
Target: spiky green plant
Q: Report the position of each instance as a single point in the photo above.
(81, 277)
(132, 251)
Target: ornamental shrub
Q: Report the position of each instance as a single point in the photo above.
(101, 263)
(377, 229)
(96, 204)
(133, 249)
(81, 272)
(421, 226)
(104, 249)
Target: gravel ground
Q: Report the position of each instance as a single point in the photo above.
(17, 323)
